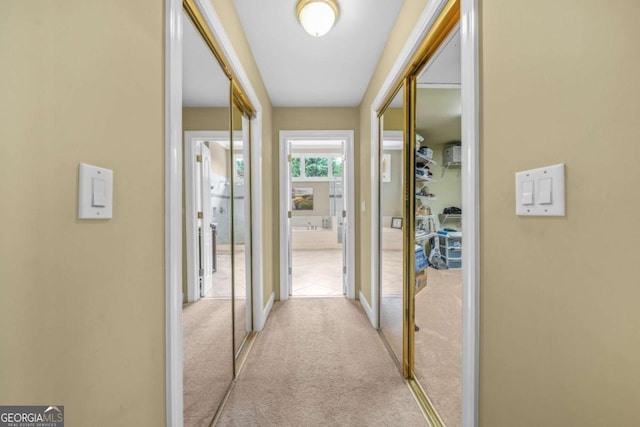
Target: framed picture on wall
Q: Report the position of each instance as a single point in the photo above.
(396, 222)
(385, 168)
(302, 199)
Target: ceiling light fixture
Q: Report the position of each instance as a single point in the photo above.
(317, 16)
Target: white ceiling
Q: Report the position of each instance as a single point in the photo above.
(444, 68)
(299, 70)
(204, 84)
(442, 71)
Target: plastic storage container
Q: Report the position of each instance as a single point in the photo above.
(452, 154)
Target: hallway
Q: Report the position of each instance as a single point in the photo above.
(319, 362)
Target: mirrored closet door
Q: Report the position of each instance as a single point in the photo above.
(207, 315)
(217, 221)
(241, 166)
(438, 232)
(420, 277)
(391, 209)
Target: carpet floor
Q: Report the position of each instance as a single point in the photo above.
(318, 362)
(208, 358)
(439, 342)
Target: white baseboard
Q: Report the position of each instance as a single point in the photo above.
(259, 323)
(368, 310)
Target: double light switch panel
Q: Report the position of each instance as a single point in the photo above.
(540, 192)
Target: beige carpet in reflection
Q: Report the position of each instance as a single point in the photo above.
(439, 342)
(208, 367)
(319, 362)
(222, 287)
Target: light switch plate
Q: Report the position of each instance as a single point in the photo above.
(548, 191)
(95, 192)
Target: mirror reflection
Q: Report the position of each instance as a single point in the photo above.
(438, 305)
(392, 223)
(241, 213)
(207, 313)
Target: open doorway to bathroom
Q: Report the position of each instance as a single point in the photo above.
(317, 181)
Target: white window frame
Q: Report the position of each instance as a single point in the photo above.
(328, 156)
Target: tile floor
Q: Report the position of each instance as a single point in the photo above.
(317, 273)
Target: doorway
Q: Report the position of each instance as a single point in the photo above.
(316, 207)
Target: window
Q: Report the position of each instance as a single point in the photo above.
(316, 167)
(238, 169)
(295, 167)
(336, 166)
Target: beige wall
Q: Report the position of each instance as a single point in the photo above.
(82, 306)
(312, 118)
(205, 118)
(448, 186)
(215, 119)
(269, 179)
(407, 19)
(391, 192)
(560, 325)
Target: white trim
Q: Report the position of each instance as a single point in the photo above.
(471, 207)
(470, 188)
(285, 190)
(394, 139)
(191, 224)
(367, 309)
(248, 230)
(173, 193)
(259, 315)
(173, 213)
(265, 313)
(348, 172)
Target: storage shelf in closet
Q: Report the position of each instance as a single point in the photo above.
(425, 159)
(425, 178)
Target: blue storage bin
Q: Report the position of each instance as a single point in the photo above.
(421, 259)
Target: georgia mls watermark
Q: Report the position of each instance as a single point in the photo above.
(32, 416)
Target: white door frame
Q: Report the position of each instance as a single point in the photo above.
(173, 195)
(191, 138)
(470, 188)
(285, 194)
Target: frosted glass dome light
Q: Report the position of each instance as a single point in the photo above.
(317, 16)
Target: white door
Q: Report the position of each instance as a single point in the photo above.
(204, 222)
(289, 231)
(345, 218)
